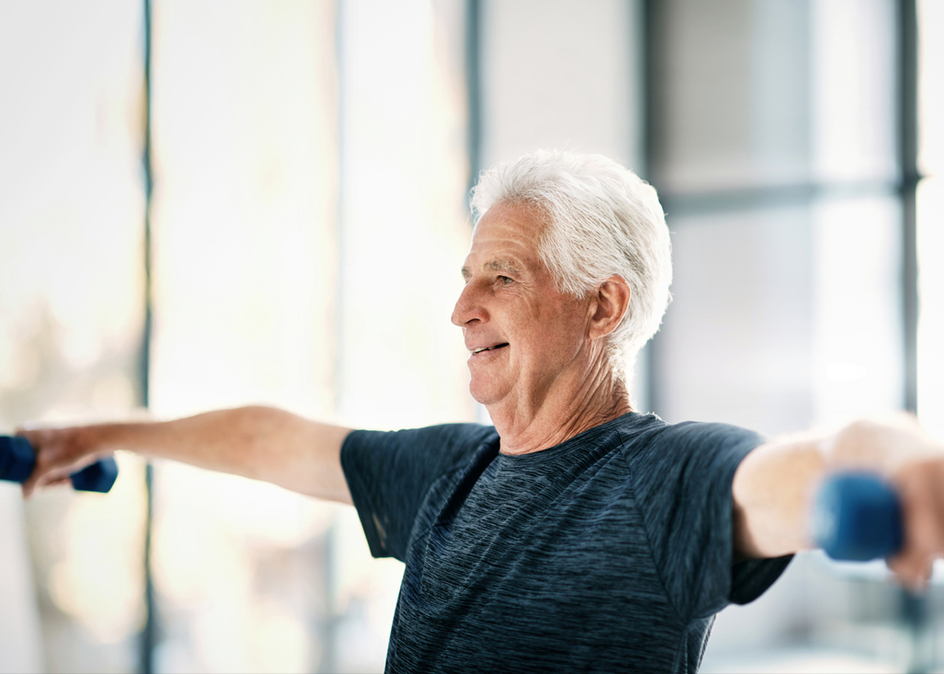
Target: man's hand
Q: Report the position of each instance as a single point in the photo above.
(775, 486)
(920, 487)
(262, 443)
(64, 451)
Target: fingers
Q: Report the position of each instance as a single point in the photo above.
(55, 479)
(59, 453)
(57, 482)
(913, 576)
(922, 503)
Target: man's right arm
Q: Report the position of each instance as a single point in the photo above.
(775, 485)
(262, 443)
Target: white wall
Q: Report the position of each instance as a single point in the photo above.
(561, 74)
(564, 75)
(20, 645)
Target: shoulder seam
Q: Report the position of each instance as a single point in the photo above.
(645, 526)
(448, 475)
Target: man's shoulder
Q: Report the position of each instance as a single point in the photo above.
(651, 429)
(440, 447)
(663, 456)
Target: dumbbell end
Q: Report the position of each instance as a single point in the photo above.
(17, 458)
(100, 476)
(857, 517)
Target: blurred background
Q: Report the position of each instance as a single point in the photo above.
(209, 204)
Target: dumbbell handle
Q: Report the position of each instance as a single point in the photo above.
(17, 460)
(857, 517)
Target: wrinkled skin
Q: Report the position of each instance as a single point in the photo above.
(544, 375)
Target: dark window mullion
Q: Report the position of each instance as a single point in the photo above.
(149, 632)
(908, 157)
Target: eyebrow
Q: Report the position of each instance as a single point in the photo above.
(494, 265)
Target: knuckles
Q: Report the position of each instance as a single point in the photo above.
(919, 485)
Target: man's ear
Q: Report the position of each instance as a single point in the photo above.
(608, 307)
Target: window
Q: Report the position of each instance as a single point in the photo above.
(780, 148)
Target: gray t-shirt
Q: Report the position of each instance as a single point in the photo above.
(609, 552)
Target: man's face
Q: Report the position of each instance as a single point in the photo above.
(526, 339)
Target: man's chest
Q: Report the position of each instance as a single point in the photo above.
(563, 579)
(537, 544)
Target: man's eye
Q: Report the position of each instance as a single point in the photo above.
(504, 280)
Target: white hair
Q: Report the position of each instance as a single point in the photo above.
(601, 219)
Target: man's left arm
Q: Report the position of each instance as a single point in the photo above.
(775, 485)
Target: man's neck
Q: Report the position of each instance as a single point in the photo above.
(525, 428)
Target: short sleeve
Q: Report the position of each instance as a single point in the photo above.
(390, 473)
(683, 487)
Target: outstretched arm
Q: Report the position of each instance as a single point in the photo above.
(775, 485)
(262, 443)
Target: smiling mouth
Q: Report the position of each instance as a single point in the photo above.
(489, 348)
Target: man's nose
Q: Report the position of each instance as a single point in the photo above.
(468, 307)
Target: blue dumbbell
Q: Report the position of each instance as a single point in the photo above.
(17, 460)
(857, 517)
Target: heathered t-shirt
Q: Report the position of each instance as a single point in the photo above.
(609, 552)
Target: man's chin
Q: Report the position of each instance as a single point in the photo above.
(478, 397)
(483, 393)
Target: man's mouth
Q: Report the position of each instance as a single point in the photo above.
(489, 348)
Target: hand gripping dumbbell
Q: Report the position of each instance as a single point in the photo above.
(17, 460)
(857, 517)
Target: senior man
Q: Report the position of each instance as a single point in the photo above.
(576, 533)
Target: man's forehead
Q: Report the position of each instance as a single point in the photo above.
(507, 222)
(506, 238)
